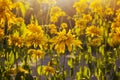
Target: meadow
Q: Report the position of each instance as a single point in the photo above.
(53, 40)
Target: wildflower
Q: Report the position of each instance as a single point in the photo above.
(55, 13)
(35, 28)
(53, 29)
(36, 53)
(118, 2)
(96, 6)
(64, 25)
(96, 42)
(4, 4)
(115, 25)
(117, 11)
(80, 6)
(15, 40)
(53, 19)
(62, 39)
(115, 39)
(51, 26)
(49, 69)
(94, 31)
(117, 18)
(5, 9)
(80, 23)
(108, 11)
(35, 39)
(87, 17)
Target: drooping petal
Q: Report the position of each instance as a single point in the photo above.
(62, 47)
(77, 43)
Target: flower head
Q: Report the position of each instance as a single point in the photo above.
(64, 25)
(64, 39)
(49, 69)
(15, 40)
(36, 53)
(55, 13)
(96, 6)
(35, 28)
(36, 40)
(80, 6)
(115, 39)
(115, 25)
(96, 42)
(87, 17)
(108, 11)
(53, 29)
(94, 31)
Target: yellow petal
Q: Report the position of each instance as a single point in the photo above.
(62, 47)
(77, 43)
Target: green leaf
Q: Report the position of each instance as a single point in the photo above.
(23, 8)
(70, 63)
(86, 72)
(101, 50)
(40, 70)
(89, 49)
(11, 58)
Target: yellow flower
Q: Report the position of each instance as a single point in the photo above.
(62, 39)
(115, 39)
(118, 2)
(55, 10)
(115, 25)
(96, 6)
(36, 40)
(36, 53)
(80, 23)
(53, 19)
(15, 40)
(64, 25)
(117, 18)
(49, 69)
(93, 31)
(117, 12)
(87, 17)
(5, 9)
(52, 26)
(109, 11)
(96, 42)
(53, 29)
(80, 6)
(55, 13)
(35, 28)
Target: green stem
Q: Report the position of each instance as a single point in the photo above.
(41, 68)
(64, 67)
(36, 69)
(15, 59)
